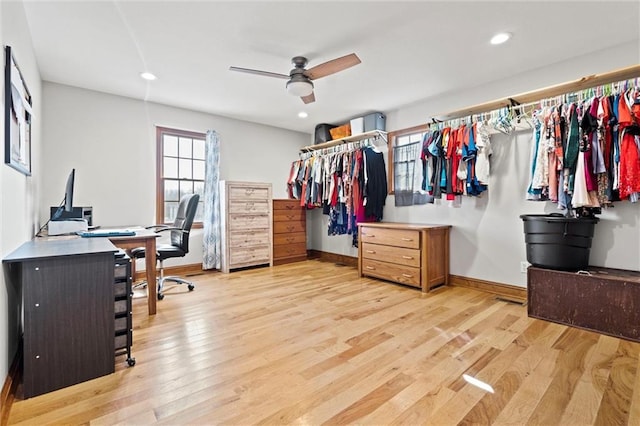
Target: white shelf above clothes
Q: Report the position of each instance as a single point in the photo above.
(372, 134)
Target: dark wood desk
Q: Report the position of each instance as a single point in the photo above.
(146, 238)
(67, 300)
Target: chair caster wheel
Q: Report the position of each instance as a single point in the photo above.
(131, 362)
(191, 287)
(160, 296)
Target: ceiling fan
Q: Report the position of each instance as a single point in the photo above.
(300, 78)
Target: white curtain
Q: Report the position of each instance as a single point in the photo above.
(211, 237)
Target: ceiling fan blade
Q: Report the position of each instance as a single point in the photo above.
(308, 99)
(333, 66)
(258, 72)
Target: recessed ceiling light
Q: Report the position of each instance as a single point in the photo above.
(303, 114)
(500, 38)
(148, 76)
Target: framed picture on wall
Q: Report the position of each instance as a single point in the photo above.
(17, 116)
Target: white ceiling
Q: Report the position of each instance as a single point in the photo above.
(409, 50)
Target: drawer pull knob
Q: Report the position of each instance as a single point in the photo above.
(370, 267)
(407, 257)
(370, 235)
(407, 275)
(407, 239)
(290, 217)
(249, 191)
(289, 207)
(371, 251)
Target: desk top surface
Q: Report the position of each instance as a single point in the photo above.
(141, 234)
(42, 248)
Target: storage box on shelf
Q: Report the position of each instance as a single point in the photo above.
(411, 254)
(246, 224)
(341, 131)
(289, 232)
(374, 121)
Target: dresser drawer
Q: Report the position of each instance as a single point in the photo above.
(390, 254)
(120, 307)
(249, 206)
(298, 249)
(239, 239)
(288, 227)
(120, 289)
(121, 341)
(121, 270)
(391, 237)
(248, 193)
(121, 324)
(244, 222)
(292, 238)
(250, 255)
(392, 272)
(287, 205)
(298, 215)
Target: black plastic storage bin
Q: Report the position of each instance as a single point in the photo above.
(558, 242)
(322, 133)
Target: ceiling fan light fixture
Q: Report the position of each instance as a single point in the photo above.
(299, 87)
(500, 38)
(148, 76)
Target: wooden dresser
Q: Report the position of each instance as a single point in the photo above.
(245, 221)
(411, 254)
(289, 232)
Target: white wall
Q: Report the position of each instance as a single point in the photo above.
(19, 193)
(110, 141)
(487, 239)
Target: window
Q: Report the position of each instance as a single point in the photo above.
(180, 168)
(400, 138)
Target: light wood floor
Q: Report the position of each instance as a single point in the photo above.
(311, 343)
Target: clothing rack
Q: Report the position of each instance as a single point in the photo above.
(580, 89)
(374, 135)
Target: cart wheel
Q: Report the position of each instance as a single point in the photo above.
(191, 287)
(160, 296)
(131, 362)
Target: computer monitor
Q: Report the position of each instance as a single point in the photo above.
(67, 202)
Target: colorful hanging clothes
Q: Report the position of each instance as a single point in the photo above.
(350, 186)
(593, 152)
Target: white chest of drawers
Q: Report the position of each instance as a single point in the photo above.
(246, 222)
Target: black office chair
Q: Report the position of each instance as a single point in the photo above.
(179, 246)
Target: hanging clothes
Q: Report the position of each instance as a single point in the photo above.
(483, 143)
(599, 162)
(348, 182)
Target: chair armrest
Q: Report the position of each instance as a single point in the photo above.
(156, 226)
(172, 228)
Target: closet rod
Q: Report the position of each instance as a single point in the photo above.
(588, 82)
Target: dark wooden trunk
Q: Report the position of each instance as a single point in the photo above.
(603, 300)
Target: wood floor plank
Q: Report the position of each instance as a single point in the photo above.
(587, 397)
(634, 412)
(526, 398)
(574, 346)
(614, 408)
(313, 343)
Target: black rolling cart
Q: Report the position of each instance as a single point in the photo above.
(122, 308)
